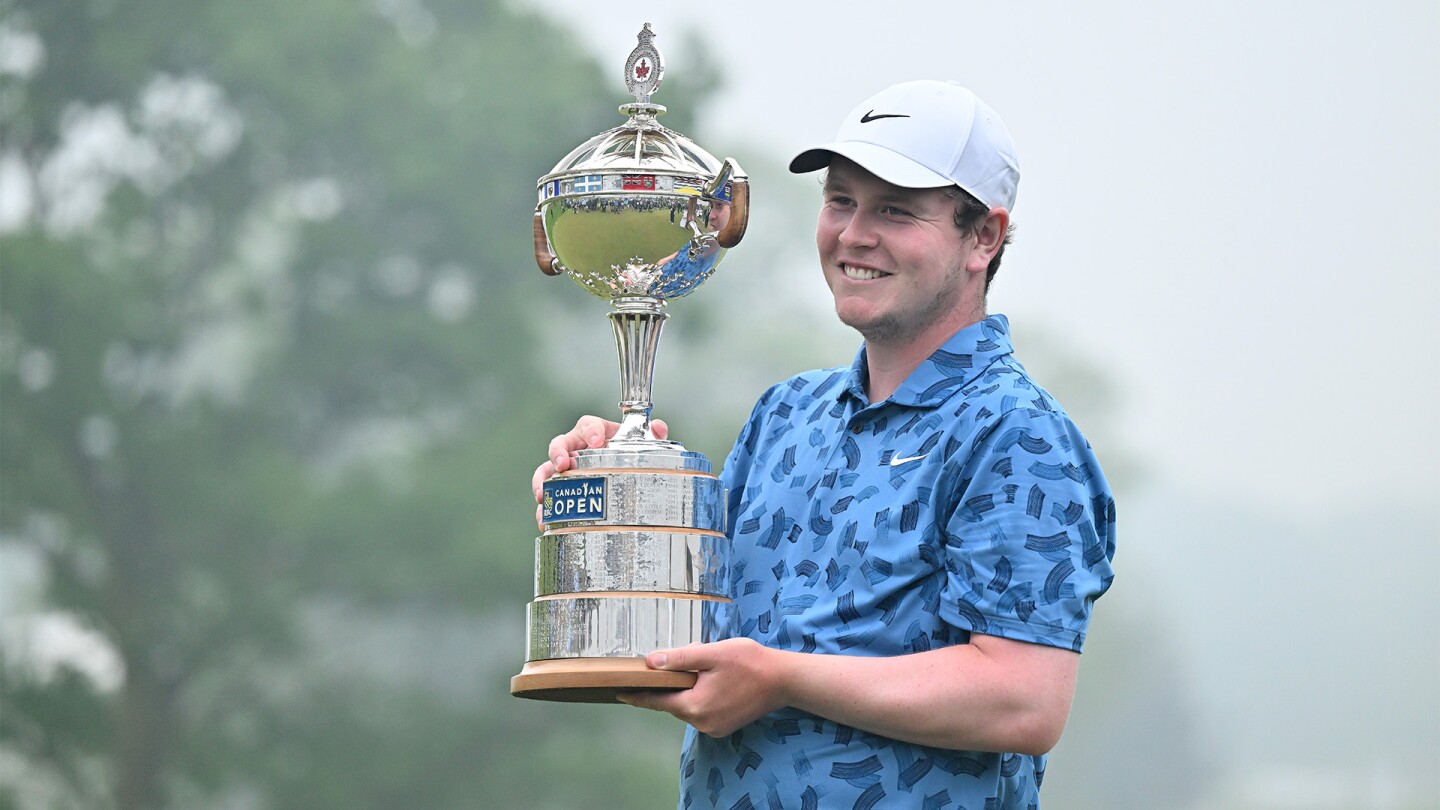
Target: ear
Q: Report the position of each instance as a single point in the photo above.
(989, 238)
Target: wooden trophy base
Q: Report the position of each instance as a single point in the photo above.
(593, 680)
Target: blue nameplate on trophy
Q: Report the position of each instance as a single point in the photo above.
(568, 499)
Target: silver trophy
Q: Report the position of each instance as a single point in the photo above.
(633, 555)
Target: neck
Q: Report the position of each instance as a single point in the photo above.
(887, 365)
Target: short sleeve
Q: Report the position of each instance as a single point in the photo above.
(1030, 534)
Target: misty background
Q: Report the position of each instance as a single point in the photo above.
(276, 366)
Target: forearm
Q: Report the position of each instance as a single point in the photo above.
(989, 696)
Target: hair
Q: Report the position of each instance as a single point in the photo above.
(970, 214)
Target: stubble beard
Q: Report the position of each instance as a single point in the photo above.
(894, 328)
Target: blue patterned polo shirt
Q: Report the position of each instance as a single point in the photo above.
(966, 502)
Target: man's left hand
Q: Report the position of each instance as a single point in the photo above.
(739, 683)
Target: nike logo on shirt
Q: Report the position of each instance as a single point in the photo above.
(896, 461)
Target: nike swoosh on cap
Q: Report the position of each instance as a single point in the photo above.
(871, 116)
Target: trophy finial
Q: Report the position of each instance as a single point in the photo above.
(645, 67)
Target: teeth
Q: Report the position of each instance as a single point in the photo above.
(861, 274)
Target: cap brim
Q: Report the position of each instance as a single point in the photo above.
(879, 161)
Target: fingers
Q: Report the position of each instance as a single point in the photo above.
(559, 452)
(654, 701)
(688, 658)
(542, 474)
(594, 432)
(590, 432)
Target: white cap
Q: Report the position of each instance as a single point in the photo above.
(926, 134)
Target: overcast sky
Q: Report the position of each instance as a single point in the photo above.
(1232, 207)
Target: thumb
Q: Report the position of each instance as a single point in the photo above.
(684, 658)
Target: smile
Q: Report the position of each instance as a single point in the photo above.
(861, 273)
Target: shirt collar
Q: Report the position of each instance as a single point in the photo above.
(953, 366)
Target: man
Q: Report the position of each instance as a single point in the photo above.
(917, 538)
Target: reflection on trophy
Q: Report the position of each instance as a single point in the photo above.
(633, 555)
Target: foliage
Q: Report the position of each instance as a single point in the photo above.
(270, 402)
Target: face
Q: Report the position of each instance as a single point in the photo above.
(900, 271)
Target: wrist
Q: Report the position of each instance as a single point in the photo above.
(781, 670)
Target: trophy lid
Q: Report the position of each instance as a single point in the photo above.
(656, 155)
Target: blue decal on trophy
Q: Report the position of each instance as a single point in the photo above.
(568, 499)
(588, 183)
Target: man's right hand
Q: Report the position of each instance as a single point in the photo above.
(589, 432)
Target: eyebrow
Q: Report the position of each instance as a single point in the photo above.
(895, 194)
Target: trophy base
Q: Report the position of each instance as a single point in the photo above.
(593, 680)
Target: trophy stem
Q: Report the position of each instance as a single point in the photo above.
(637, 322)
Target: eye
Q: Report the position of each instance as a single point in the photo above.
(895, 211)
(838, 199)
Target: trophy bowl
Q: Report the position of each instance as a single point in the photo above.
(633, 555)
(639, 210)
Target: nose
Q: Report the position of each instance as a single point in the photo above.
(859, 231)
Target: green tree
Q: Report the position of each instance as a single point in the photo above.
(269, 397)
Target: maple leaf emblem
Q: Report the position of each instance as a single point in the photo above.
(642, 70)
